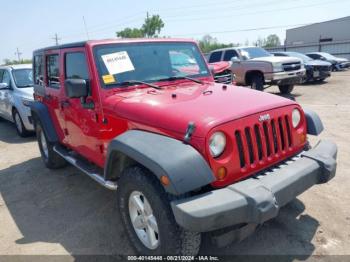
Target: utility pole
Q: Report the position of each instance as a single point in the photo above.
(56, 38)
(18, 53)
(86, 30)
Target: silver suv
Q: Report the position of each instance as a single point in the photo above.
(255, 67)
(16, 92)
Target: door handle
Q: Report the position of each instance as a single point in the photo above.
(65, 104)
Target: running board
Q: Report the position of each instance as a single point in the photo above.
(86, 168)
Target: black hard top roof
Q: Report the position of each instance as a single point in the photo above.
(55, 47)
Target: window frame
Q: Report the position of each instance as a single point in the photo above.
(47, 71)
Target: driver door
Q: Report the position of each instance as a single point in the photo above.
(5, 95)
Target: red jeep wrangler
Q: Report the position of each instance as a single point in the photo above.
(185, 155)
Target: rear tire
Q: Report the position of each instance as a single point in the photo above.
(21, 129)
(51, 159)
(286, 89)
(257, 82)
(168, 238)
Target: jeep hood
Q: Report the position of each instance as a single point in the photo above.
(276, 59)
(206, 105)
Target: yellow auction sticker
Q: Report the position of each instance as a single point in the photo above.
(108, 79)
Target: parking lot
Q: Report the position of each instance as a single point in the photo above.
(65, 212)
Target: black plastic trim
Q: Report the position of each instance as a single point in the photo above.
(162, 155)
(314, 123)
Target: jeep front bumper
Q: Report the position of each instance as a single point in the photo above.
(259, 198)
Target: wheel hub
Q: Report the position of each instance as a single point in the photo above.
(144, 222)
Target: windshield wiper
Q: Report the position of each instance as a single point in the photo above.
(173, 78)
(135, 82)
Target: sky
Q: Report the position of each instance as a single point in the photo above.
(29, 25)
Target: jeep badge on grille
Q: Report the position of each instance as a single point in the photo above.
(264, 117)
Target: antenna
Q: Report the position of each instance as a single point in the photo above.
(86, 30)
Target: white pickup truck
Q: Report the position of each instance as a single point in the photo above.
(255, 67)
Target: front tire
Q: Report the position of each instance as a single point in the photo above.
(51, 159)
(286, 89)
(148, 219)
(257, 82)
(20, 128)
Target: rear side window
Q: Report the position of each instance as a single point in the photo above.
(53, 71)
(76, 66)
(229, 54)
(1, 73)
(38, 70)
(215, 57)
(6, 78)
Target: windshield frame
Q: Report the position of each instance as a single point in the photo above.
(13, 71)
(120, 86)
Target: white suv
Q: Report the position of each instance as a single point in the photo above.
(16, 92)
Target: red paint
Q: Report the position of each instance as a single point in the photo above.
(227, 110)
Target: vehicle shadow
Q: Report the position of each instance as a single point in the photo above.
(67, 208)
(8, 134)
(291, 96)
(315, 83)
(284, 238)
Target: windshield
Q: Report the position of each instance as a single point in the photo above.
(23, 77)
(303, 57)
(253, 52)
(148, 62)
(328, 56)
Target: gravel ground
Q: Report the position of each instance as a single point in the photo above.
(66, 213)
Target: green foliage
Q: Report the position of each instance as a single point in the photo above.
(269, 41)
(272, 41)
(209, 43)
(16, 62)
(150, 28)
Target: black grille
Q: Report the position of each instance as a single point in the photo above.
(291, 66)
(263, 140)
(224, 77)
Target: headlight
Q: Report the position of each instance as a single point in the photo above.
(296, 117)
(217, 143)
(26, 102)
(277, 67)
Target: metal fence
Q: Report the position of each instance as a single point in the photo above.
(339, 48)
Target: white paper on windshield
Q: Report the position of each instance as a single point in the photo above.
(118, 62)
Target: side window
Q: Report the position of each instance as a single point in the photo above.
(1, 73)
(6, 78)
(53, 72)
(76, 66)
(215, 57)
(229, 54)
(38, 70)
(314, 56)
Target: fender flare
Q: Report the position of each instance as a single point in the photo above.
(185, 167)
(41, 112)
(314, 122)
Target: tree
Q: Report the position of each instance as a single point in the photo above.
(150, 28)
(209, 43)
(16, 62)
(260, 42)
(130, 33)
(272, 41)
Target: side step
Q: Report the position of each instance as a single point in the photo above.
(85, 167)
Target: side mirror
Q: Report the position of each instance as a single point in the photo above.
(4, 86)
(76, 88)
(235, 60)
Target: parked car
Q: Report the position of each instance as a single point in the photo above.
(338, 63)
(222, 72)
(255, 67)
(316, 70)
(186, 155)
(16, 91)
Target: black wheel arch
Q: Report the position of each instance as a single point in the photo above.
(185, 167)
(249, 76)
(40, 112)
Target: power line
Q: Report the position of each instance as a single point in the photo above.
(56, 38)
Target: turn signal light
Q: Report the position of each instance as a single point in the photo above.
(221, 173)
(164, 180)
